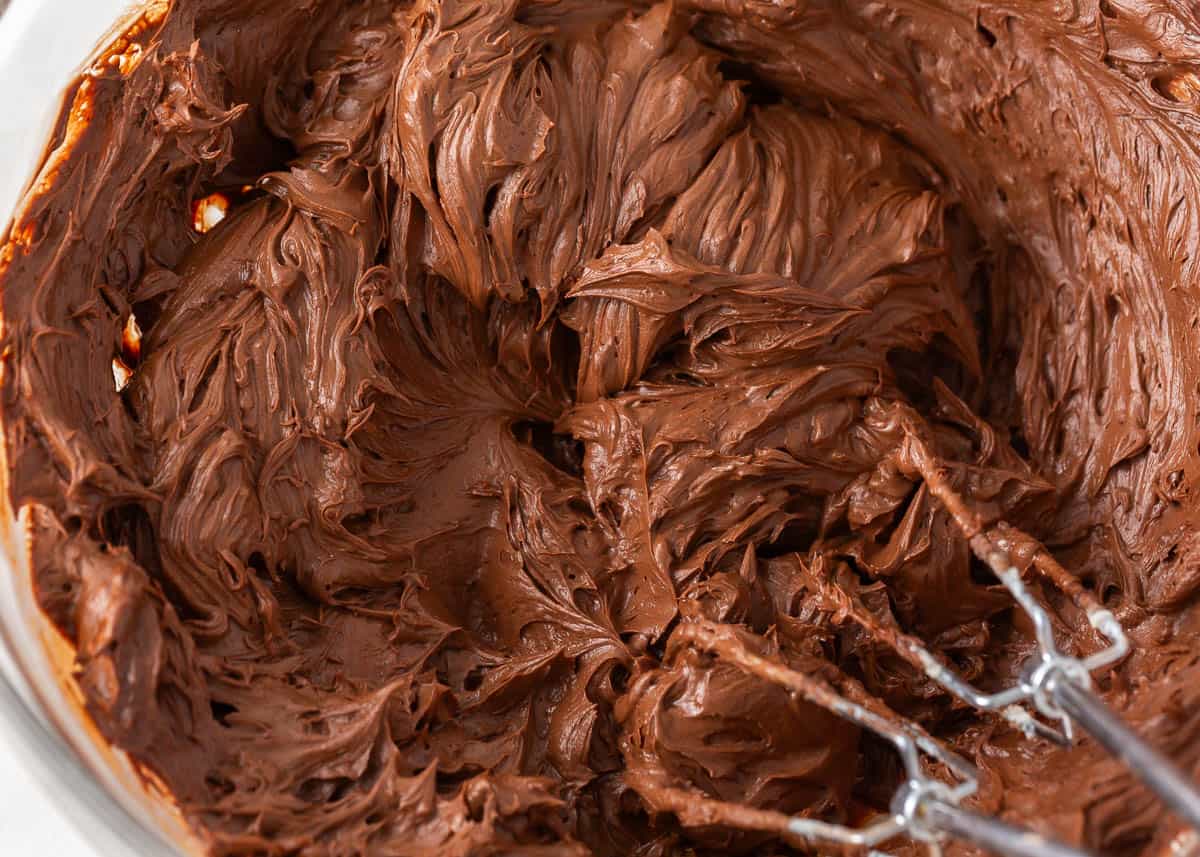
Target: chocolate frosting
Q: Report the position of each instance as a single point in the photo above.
(537, 330)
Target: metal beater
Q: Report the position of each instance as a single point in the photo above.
(1056, 685)
(925, 809)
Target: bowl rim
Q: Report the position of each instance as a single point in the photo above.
(94, 786)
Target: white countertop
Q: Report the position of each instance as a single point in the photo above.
(30, 826)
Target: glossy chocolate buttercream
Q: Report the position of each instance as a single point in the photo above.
(537, 330)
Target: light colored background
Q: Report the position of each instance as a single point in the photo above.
(42, 44)
(30, 826)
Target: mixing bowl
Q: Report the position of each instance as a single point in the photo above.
(41, 45)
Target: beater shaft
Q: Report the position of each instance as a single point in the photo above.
(993, 835)
(1158, 773)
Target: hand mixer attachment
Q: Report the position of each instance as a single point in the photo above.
(1057, 684)
(925, 808)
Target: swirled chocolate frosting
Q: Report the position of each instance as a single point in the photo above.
(536, 329)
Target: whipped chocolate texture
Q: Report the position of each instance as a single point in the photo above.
(535, 330)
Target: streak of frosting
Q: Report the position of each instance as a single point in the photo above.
(539, 327)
